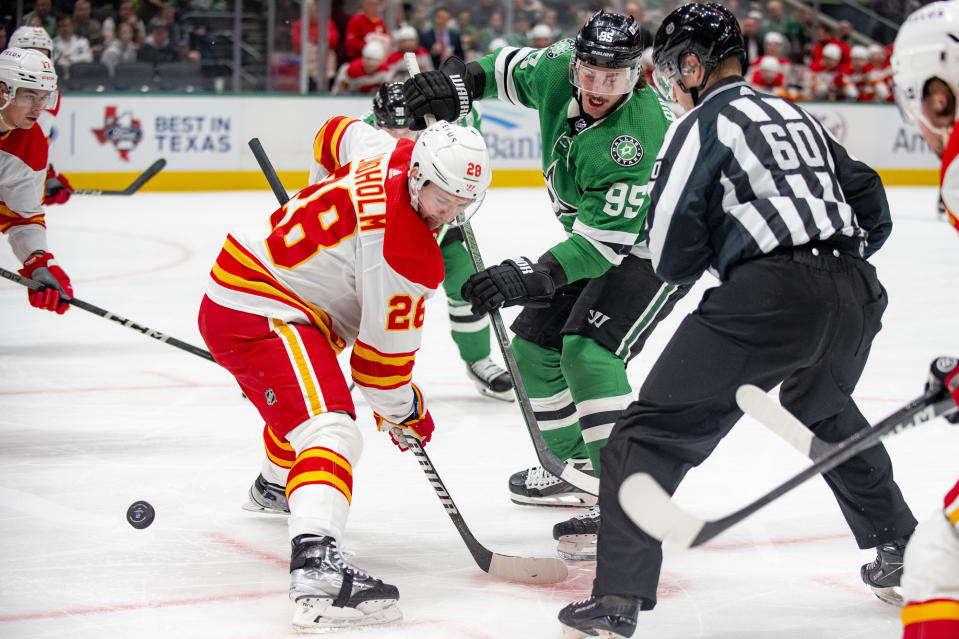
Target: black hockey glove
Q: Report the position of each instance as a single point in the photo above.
(444, 93)
(509, 284)
(944, 373)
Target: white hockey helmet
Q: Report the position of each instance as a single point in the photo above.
(32, 38)
(27, 69)
(926, 47)
(455, 159)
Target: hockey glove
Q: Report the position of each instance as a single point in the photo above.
(443, 93)
(944, 373)
(509, 284)
(419, 424)
(40, 267)
(57, 189)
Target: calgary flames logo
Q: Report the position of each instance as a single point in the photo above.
(121, 130)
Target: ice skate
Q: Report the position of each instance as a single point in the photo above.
(577, 536)
(609, 616)
(537, 486)
(267, 498)
(330, 594)
(884, 572)
(490, 380)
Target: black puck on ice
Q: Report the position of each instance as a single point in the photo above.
(140, 514)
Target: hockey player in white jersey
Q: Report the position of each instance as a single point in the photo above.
(348, 261)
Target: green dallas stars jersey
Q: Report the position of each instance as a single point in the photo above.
(598, 177)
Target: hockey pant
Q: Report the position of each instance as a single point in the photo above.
(290, 373)
(470, 332)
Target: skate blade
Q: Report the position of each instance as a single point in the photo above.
(503, 396)
(318, 615)
(577, 547)
(565, 500)
(263, 510)
(889, 595)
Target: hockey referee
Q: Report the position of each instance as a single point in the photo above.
(751, 187)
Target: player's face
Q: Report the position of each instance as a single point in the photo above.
(22, 110)
(601, 88)
(938, 115)
(437, 207)
(401, 133)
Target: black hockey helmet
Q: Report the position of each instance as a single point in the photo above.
(607, 41)
(708, 31)
(389, 107)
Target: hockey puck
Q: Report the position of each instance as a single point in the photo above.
(140, 514)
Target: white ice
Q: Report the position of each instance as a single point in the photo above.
(94, 416)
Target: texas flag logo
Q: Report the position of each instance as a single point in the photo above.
(121, 130)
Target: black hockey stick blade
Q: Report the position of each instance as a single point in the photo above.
(530, 570)
(268, 171)
(651, 508)
(135, 186)
(96, 310)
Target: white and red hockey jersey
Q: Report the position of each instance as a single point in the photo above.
(949, 177)
(23, 168)
(352, 257)
(342, 139)
(352, 77)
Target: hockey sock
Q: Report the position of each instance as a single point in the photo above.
(550, 397)
(279, 457)
(598, 384)
(470, 332)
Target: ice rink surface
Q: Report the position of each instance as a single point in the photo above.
(94, 417)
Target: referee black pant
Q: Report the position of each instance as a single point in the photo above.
(799, 317)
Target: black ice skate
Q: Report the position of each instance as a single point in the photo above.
(490, 379)
(609, 616)
(577, 536)
(885, 571)
(537, 486)
(267, 498)
(331, 594)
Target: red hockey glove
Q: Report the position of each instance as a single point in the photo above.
(944, 373)
(42, 268)
(57, 189)
(419, 424)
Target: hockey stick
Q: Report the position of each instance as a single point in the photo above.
(135, 185)
(96, 310)
(651, 508)
(268, 171)
(753, 401)
(531, 570)
(564, 470)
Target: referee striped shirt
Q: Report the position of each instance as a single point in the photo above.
(745, 173)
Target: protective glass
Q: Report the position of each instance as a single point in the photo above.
(600, 80)
(36, 100)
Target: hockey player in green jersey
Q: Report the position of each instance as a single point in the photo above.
(591, 300)
(470, 331)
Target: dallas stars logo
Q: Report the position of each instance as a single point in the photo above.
(559, 48)
(626, 150)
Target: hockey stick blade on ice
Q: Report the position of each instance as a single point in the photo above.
(530, 570)
(96, 310)
(564, 470)
(650, 507)
(135, 186)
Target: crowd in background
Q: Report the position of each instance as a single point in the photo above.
(790, 51)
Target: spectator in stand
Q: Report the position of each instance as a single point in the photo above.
(364, 26)
(826, 36)
(551, 20)
(767, 76)
(521, 26)
(799, 36)
(861, 74)
(167, 14)
(541, 36)
(483, 10)
(120, 49)
(43, 10)
(442, 41)
(125, 13)
(776, 19)
(310, 55)
(638, 11)
(469, 34)
(844, 33)
(750, 27)
(158, 47)
(86, 27)
(881, 69)
(493, 31)
(365, 74)
(826, 78)
(774, 45)
(407, 40)
(68, 47)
